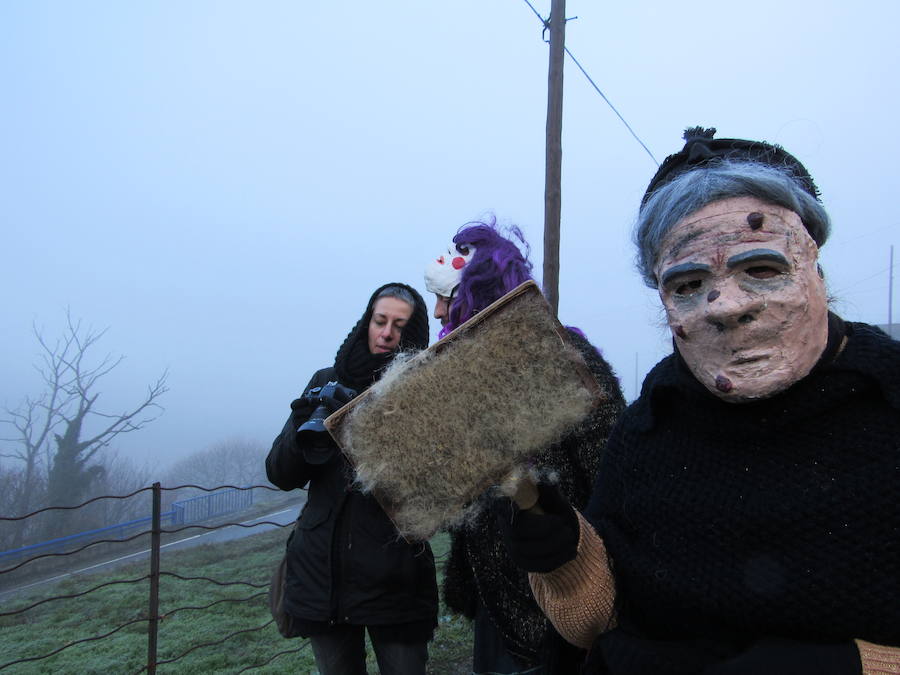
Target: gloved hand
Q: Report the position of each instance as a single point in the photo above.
(332, 395)
(543, 538)
(310, 411)
(335, 395)
(320, 453)
(788, 657)
(301, 408)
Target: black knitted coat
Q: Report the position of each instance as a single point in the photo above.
(728, 524)
(479, 569)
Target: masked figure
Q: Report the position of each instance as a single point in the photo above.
(745, 516)
(511, 634)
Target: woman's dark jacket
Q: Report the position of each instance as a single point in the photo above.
(732, 525)
(480, 571)
(346, 562)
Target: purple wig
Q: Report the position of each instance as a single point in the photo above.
(497, 267)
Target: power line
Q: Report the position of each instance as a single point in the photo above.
(878, 230)
(596, 88)
(537, 14)
(627, 126)
(859, 281)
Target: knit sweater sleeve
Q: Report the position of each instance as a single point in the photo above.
(878, 660)
(578, 596)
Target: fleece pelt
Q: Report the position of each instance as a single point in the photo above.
(441, 427)
(479, 575)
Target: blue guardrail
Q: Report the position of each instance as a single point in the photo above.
(193, 510)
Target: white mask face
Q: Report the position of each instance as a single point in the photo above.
(743, 297)
(443, 275)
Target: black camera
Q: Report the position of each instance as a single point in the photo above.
(327, 398)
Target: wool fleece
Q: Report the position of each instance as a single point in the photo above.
(441, 427)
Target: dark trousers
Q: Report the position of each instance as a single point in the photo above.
(489, 655)
(342, 651)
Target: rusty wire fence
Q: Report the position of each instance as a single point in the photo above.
(257, 590)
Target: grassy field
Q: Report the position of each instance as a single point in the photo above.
(53, 625)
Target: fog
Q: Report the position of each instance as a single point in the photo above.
(223, 184)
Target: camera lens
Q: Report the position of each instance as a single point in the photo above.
(314, 425)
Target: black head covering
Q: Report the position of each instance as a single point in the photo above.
(355, 366)
(700, 148)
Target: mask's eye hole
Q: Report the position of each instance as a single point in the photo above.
(463, 249)
(688, 287)
(762, 272)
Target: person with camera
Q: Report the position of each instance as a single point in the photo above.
(348, 571)
(481, 582)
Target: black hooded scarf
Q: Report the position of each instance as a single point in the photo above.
(355, 365)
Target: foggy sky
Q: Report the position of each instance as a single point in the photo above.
(223, 184)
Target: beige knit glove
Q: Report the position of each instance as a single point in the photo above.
(578, 597)
(877, 660)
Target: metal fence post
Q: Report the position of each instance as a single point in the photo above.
(153, 625)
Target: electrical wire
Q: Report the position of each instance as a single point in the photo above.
(546, 24)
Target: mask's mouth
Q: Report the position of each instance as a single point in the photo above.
(741, 360)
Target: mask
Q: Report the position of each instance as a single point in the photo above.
(744, 298)
(443, 275)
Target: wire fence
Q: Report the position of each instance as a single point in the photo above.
(182, 516)
(178, 519)
(222, 500)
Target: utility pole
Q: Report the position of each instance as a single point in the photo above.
(637, 392)
(891, 295)
(553, 179)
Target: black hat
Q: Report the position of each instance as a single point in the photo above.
(700, 148)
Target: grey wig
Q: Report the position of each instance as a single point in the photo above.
(398, 292)
(694, 189)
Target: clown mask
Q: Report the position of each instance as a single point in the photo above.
(443, 275)
(743, 297)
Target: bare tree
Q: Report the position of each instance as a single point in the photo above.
(56, 460)
(10, 489)
(121, 476)
(234, 461)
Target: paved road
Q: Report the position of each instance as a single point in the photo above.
(283, 516)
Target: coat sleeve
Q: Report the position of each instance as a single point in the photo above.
(587, 443)
(459, 581)
(286, 466)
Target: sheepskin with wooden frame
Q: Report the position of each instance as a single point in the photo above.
(443, 425)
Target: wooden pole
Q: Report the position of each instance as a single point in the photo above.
(153, 624)
(553, 178)
(891, 296)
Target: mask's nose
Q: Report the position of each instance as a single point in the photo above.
(728, 306)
